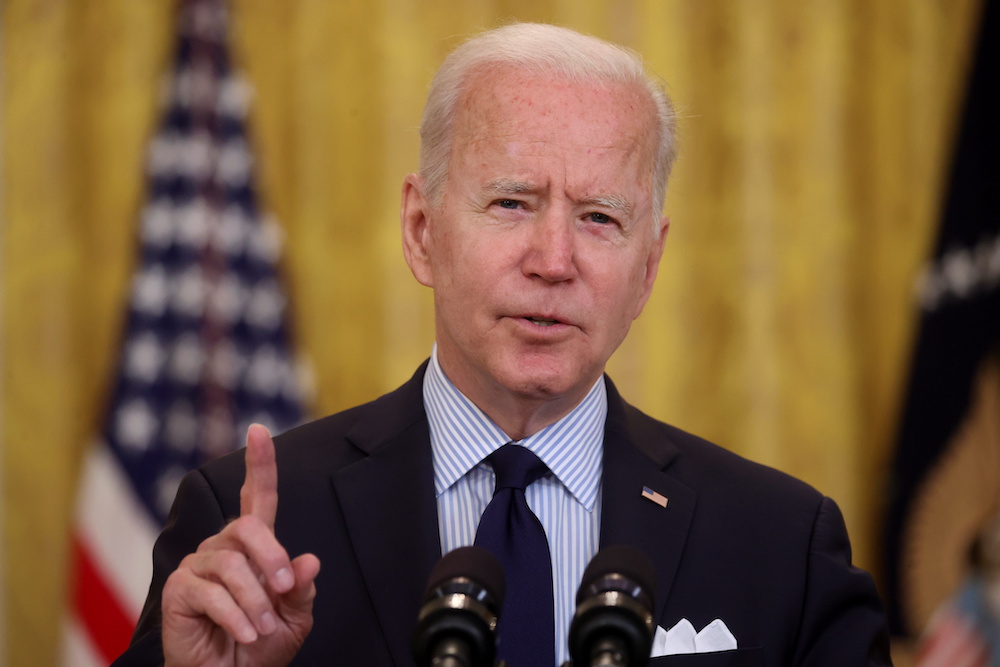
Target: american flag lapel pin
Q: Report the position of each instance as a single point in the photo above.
(657, 498)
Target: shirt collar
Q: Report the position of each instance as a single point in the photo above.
(462, 436)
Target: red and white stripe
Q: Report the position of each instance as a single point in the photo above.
(111, 566)
(951, 640)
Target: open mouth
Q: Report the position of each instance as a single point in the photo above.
(542, 321)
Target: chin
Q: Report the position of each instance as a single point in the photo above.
(542, 380)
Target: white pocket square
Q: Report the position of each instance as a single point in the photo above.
(683, 639)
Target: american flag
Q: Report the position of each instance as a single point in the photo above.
(957, 635)
(205, 350)
(958, 331)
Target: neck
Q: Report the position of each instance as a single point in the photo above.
(519, 414)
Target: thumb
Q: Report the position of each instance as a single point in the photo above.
(298, 600)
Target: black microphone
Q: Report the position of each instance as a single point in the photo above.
(613, 625)
(456, 625)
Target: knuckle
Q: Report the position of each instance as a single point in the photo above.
(229, 559)
(244, 527)
(210, 543)
(174, 584)
(228, 566)
(187, 563)
(217, 600)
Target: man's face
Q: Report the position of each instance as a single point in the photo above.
(542, 250)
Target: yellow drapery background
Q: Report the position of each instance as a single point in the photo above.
(814, 140)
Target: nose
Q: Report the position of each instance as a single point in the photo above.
(551, 251)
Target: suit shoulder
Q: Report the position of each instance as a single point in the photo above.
(708, 466)
(335, 440)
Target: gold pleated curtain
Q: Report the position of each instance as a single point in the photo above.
(814, 138)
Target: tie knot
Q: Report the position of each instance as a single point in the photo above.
(516, 467)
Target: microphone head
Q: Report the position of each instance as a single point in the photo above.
(468, 563)
(621, 568)
(614, 613)
(463, 598)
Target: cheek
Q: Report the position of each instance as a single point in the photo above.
(446, 259)
(623, 302)
(463, 271)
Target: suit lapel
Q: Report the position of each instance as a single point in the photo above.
(393, 526)
(636, 455)
(390, 509)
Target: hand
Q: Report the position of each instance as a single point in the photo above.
(239, 600)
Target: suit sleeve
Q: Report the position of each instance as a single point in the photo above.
(195, 516)
(843, 622)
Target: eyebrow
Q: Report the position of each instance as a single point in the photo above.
(613, 202)
(504, 186)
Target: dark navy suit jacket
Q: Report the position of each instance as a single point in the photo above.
(738, 541)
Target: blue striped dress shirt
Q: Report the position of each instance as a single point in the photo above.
(568, 502)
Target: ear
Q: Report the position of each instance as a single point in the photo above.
(414, 219)
(652, 265)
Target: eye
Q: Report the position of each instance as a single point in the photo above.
(600, 218)
(508, 203)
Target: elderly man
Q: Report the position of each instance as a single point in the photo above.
(536, 219)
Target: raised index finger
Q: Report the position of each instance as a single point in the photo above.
(259, 494)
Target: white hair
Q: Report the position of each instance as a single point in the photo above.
(540, 49)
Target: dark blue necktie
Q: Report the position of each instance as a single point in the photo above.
(512, 532)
